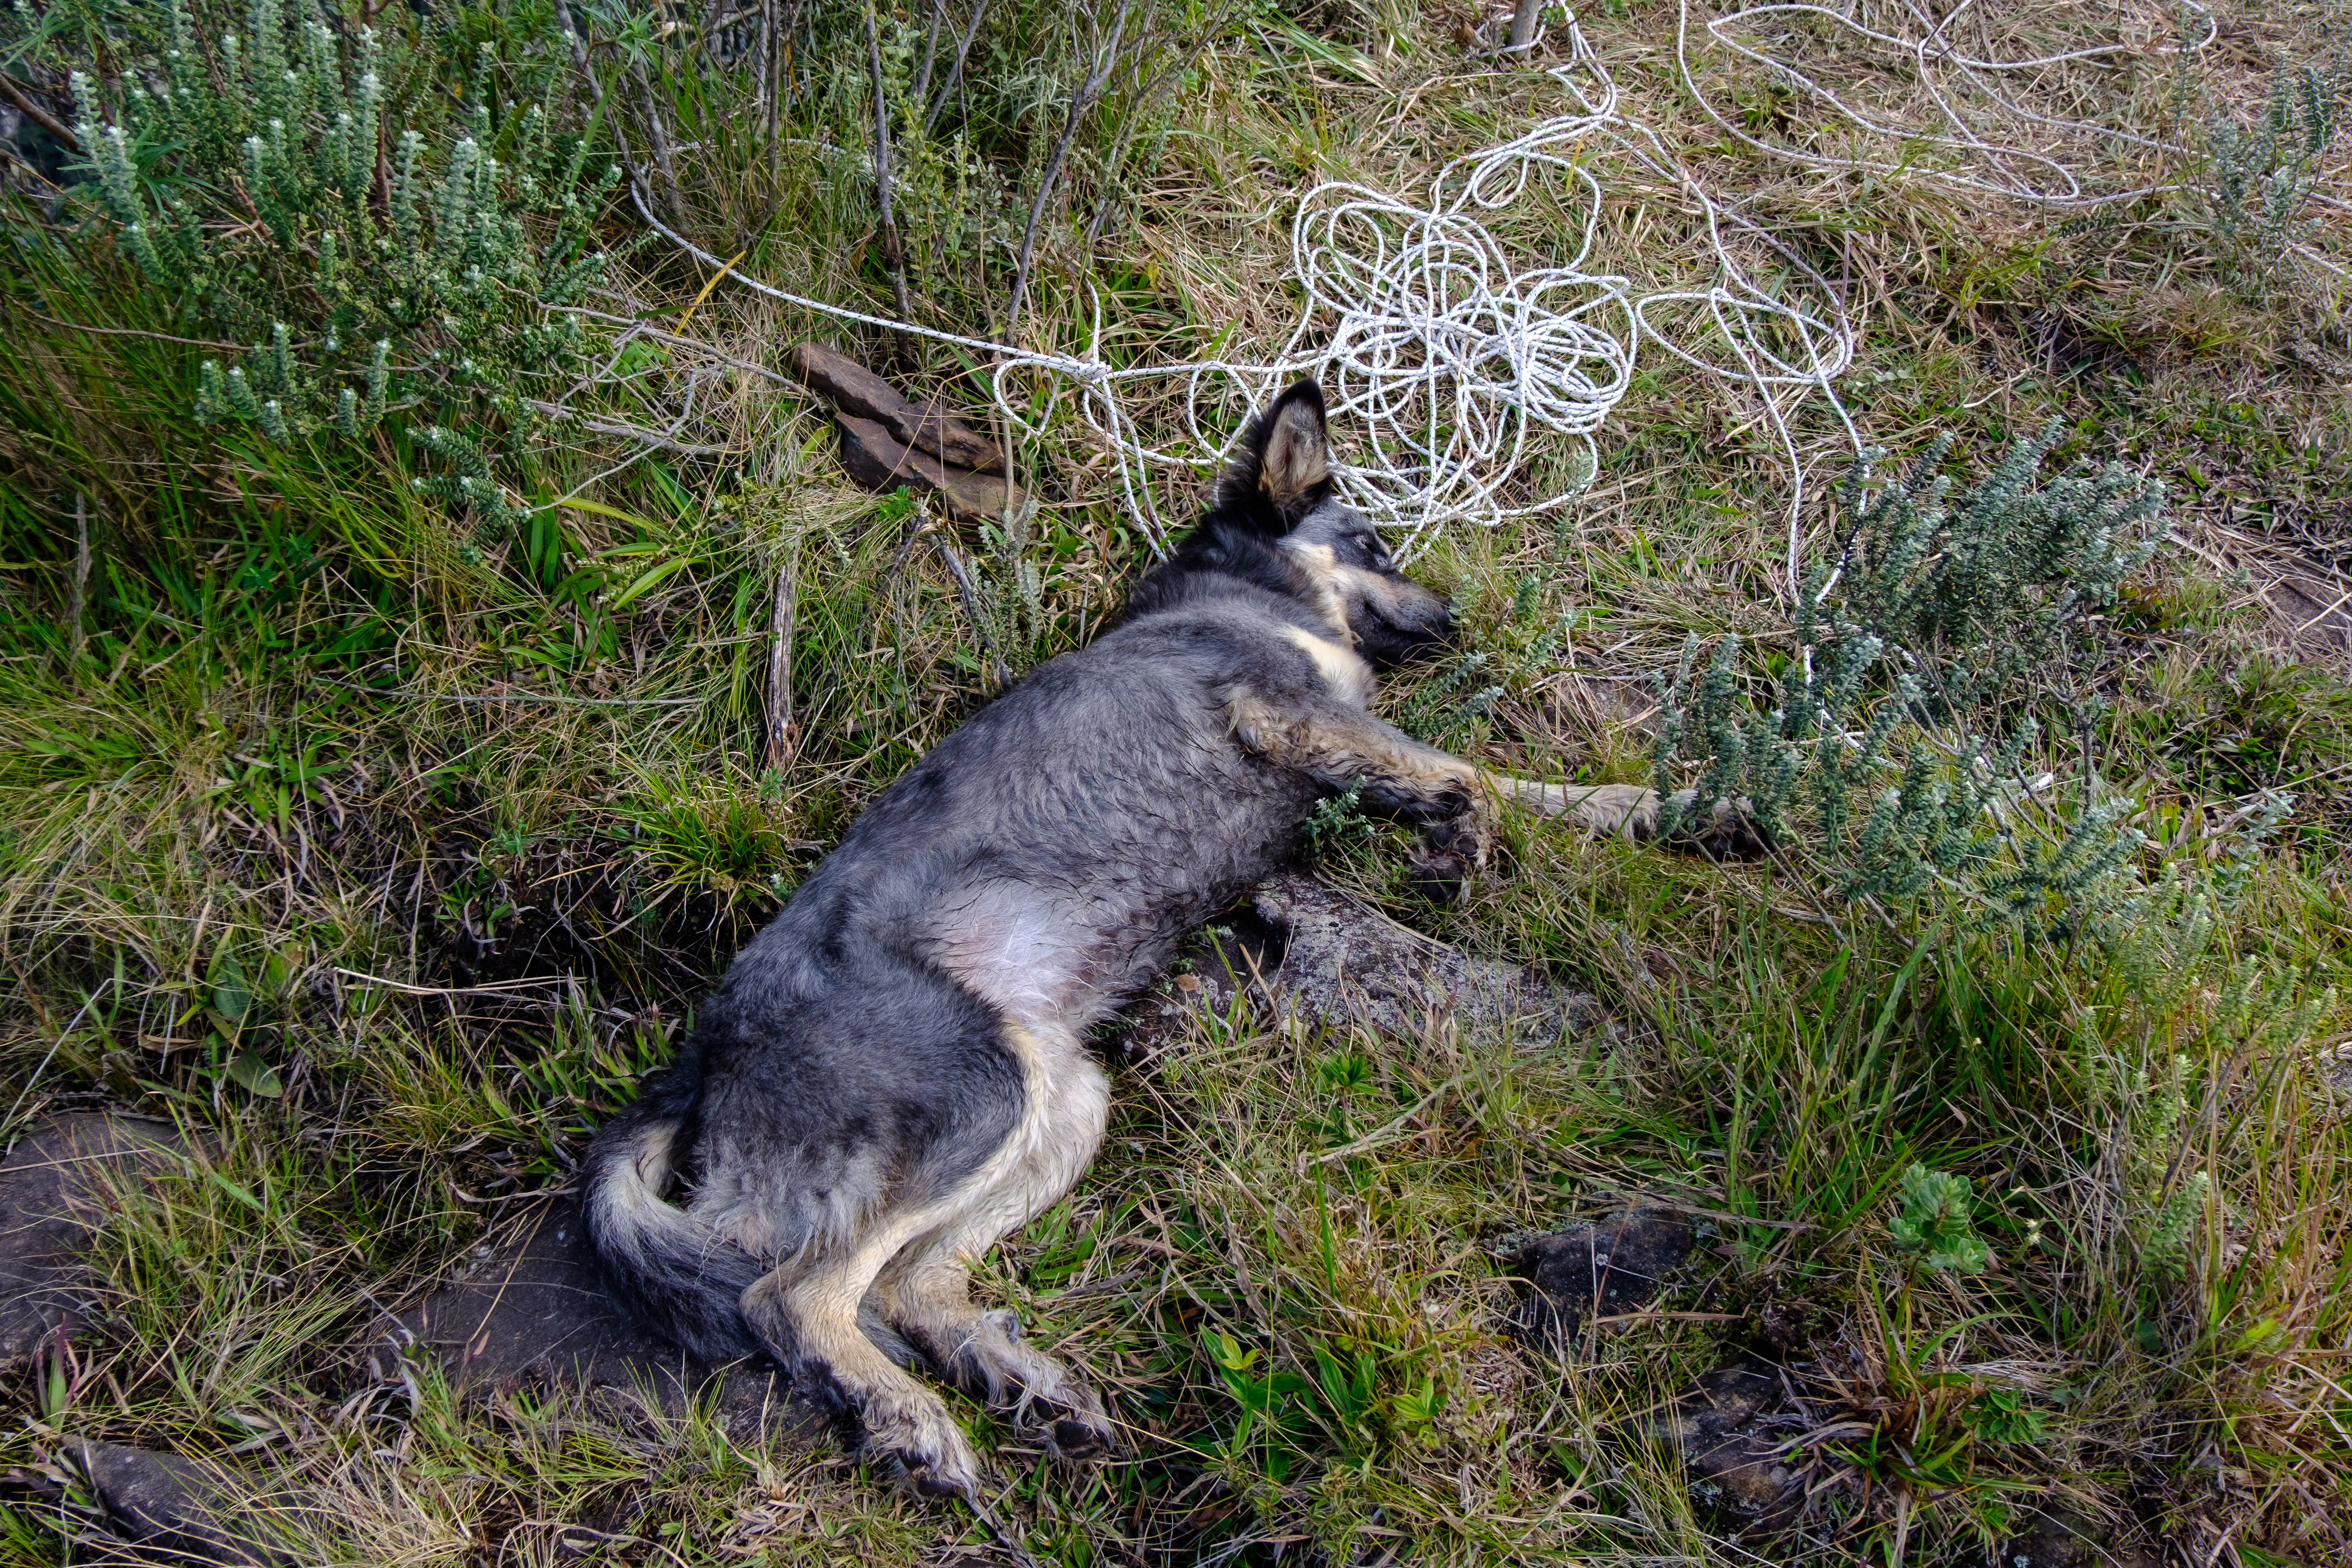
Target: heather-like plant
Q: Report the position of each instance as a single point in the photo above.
(311, 190)
(2251, 187)
(1913, 662)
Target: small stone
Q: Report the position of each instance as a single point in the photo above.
(1616, 1267)
(2054, 1536)
(178, 1509)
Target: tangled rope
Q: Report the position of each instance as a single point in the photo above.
(1455, 360)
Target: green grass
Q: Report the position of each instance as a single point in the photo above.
(299, 757)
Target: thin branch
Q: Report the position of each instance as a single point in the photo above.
(955, 76)
(137, 332)
(931, 51)
(39, 116)
(1081, 102)
(625, 431)
(81, 572)
(894, 256)
(784, 734)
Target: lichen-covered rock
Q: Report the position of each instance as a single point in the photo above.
(1316, 955)
(1735, 1463)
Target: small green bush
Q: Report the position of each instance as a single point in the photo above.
(1909, 673)
(389, 231)
(1934, 1221)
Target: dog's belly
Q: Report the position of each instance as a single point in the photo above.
(1031, 955)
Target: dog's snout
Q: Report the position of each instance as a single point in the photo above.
(1405, 620)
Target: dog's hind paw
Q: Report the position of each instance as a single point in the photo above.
(1073, 1424)
(929, 1450)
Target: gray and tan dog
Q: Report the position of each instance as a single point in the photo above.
(894, 1073)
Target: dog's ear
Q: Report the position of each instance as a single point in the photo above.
(1284, 467)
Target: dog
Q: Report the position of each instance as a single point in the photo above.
(894, 1074)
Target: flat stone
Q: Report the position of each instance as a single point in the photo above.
(1734, 1460)
(926, 426)
(53, 1195)
(528, 1305)
(2054, 1536)
(173, 1509)
(879, 461)
(1317, 956)
(1615, 1267)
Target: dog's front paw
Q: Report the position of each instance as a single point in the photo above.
(1450, 856)
(921, 1440)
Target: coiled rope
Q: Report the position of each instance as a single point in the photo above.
(1456, 360)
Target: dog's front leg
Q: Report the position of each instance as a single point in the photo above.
(1345, 747)
(1632, 813)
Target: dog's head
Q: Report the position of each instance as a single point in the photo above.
(1277, 493)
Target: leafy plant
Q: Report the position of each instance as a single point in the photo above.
(314, 191)
(1447, 710)
(1337, 820)
(1934, 1221)
(2002, 1416)
(2253, 186)
(1926, 638)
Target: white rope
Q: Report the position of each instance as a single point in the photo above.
(1948, 74)
(1455, 360)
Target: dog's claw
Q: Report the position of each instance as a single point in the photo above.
(927, 1448)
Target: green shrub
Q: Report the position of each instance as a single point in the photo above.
(390, 232)
(1908, 676)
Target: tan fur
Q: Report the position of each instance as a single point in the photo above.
(1323, 570)
(1342, 669)
(1296, 461)
(915, 1263)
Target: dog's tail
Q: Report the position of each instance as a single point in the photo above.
(668, 1269)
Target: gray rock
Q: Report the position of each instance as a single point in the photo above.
(527, 1305)
(2059, 1535)
(1730, 1452)
(172, 1508)
(53, 1195)
(1318, 954)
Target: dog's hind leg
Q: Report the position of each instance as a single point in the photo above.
(807, 1315)
(927, 1296)
(924, 1292)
